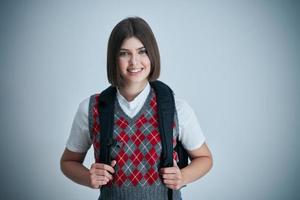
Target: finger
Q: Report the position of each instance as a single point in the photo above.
(99, 178)
(170, 176)
(169, 170)
(96, 183)
(103, 166)
(102, 172)
(100, 183)
(171, 182)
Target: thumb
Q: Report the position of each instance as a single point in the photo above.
(113, 163)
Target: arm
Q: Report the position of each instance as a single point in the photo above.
(71, 162)
(72, 166)
(201, 163)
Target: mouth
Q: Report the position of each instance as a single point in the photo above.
(135, 69)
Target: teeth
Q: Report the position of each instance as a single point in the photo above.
(135, 70)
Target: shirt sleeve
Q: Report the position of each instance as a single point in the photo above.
(190, 133)
(79, 140)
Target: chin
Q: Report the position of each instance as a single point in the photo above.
(138, 81)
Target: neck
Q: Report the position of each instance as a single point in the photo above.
(130, 91)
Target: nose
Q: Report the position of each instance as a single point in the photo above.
(133, 59)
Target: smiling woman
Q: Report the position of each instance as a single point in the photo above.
(130, 165)
(132, 39)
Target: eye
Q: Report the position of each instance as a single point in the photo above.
(123, 53)
(142, 52)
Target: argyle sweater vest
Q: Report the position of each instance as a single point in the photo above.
(137, 150)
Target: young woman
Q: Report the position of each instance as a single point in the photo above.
(134, 173)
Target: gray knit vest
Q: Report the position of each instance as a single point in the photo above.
(137, 151)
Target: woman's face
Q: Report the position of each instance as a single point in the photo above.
(134, 62)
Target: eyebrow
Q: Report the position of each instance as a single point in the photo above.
(122, 49)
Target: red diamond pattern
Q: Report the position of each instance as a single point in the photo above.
(137, 138)
(95, 111)
(122, 157)
(140, 121)
(153, 104)
(136, 157)
(122, 123)
(123, 137)
(135, 177)
(154, 137)
(135, 164)
(151, 176)
(96, 128)
(120, 177)
(151, 157)
(153, 121)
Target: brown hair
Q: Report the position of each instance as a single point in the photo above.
(131, 27)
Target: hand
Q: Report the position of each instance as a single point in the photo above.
(172, 177)
(101, 174)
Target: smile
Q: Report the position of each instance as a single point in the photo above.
(135, 70)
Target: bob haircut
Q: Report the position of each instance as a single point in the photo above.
(127, 28)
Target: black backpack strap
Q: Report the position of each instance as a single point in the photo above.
(166, 109)
(106, 120)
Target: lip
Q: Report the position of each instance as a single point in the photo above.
(141, 69)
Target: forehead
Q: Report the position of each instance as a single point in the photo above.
(131, 43)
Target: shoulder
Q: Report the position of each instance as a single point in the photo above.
(181, 104)
(190, 133)
(79, 139)
(84, 105)
(184, 110)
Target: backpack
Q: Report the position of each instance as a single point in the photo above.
(166, 111)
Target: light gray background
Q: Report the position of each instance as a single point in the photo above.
(235, 62)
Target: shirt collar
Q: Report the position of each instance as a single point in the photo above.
(140, 98)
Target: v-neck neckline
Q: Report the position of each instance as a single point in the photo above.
(134, 118)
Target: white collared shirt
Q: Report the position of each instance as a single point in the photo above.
(131, 108)
(190, 133)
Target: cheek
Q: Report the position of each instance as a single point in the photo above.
(146, 62)
(122, 64)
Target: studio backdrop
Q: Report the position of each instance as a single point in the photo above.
(237, 63)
